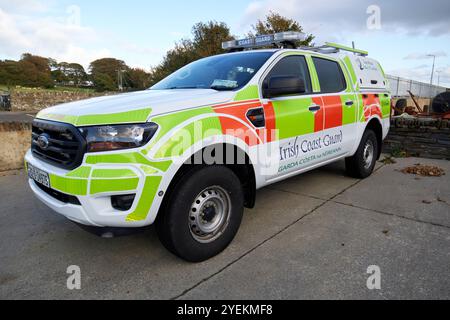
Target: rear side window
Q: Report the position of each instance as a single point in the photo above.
(291, 66)
(330, 75)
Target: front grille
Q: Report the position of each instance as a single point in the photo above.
(62, 197)
(66, 146)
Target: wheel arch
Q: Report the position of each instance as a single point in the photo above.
(244, 171)
(375, 125)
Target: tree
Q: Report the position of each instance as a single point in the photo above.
(36, 70)
(104, 73)
(69, 74)
(275, 23)
(30, 70)
(183, 54)
(76, 73)
(207, 40)
(138, 79)
(208, 37)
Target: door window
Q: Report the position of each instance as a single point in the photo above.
(330, 75)
(291, 66)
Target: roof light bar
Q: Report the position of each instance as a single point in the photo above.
(264, 40)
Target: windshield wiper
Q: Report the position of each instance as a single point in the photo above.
(222, 88)
(186, 87)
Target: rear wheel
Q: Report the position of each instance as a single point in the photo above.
(362, 164)
(203, 214)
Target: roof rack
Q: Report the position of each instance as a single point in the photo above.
(285, 40)
(330, 47)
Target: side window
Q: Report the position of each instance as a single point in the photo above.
(330, 75)
(291, 66)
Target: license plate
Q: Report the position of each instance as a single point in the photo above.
(38, 175)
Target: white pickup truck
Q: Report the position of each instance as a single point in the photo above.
(189, 153)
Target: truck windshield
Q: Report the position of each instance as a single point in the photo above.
(223, 72)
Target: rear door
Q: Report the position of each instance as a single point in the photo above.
(340, 107)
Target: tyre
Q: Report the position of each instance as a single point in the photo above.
(362, 164)
(203, 213)
(400, 106)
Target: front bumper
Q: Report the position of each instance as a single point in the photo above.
(94, 183)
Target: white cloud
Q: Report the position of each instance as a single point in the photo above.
(11, 37)
(340, 17)
(421, 56)
(422, 73)
(47, 36)
(25, 5)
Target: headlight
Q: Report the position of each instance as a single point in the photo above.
(117, 137)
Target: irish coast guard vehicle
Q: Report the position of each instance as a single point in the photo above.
(189, 153)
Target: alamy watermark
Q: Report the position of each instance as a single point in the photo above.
(374, 19)
(374, 280)
(73, 16)
(74, 279)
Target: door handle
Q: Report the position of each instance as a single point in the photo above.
(349, 103)
(314, 108)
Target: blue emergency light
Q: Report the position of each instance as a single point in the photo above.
(277, 39)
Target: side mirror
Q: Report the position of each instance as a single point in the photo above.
(284, 85)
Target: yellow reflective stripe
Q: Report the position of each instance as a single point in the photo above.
(135, 116)
(145, 202)
(127, 158)
(248, 93)
(313, 74)
(76, 187)
(149, 170)
(168, 122)
(347, 77)
(350, 69)
(81, 172)
(113, 185)
(57, 117)
(113, 173)
(184, 138)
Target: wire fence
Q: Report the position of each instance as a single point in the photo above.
(401, 86)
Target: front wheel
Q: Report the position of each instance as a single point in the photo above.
(362, 164)
(203, 213)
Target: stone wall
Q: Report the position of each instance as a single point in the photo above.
(421, 137)
(29, 99)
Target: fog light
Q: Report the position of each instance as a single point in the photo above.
(123, 203)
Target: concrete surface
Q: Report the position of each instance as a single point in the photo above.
(312, 236)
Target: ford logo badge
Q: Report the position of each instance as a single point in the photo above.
(43, 142)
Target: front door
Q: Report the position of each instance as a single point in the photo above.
(299, 119)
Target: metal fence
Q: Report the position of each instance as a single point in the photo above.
(401, 86)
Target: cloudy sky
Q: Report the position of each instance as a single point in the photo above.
(399, 33)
